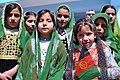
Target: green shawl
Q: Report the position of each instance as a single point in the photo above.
(69, 26)
(20, 38)
(115, 25)
(54, 66)
(109, 36)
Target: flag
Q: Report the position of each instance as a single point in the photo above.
(86, 69)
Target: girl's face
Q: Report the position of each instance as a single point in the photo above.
(101, 27)
(45, 25)
(30, 23)
(111, 13)
(63, 17)
(13, 18)
(85, 36)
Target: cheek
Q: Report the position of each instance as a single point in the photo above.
(79, 40)
(8, 19)
(27, 24)
(67, 20)
(18, 20)
(58, 19)
(39, 27)
(51, 26)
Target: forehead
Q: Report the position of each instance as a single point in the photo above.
(85, 28)
(63, 11)
(16, 10)
(90, 12)
(45, 15)
(31, 17)
(110, 10)
(100, 20)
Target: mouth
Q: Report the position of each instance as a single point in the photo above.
(45, 29)
(12, 22)
(100, 34)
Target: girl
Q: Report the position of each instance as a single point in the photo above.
(65, 21)
(92, 59)
(10, 38)
(102, 22)
(111, 11)
(29, 20)
(44, 56)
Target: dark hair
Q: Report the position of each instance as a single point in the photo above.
(41, 12)
(79, 24)
(106, 7)
(102, 18)
(27, 14)
(10, 7)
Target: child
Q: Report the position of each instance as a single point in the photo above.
(65, 21)
(102, 22)
(93, 58)
(10, 38)
(111, 11)
(45, 55)
(29, 22)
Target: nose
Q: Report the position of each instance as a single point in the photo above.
(99, 28)
(85, 38)
(111, 15)
(12, 17)
(44, 23)
(33, 23)
(62, 18)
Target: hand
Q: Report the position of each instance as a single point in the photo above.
(5, 77)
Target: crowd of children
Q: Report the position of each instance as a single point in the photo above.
(47, 46)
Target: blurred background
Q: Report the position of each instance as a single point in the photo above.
(79, 7)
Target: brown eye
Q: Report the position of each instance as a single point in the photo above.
(59, 15)
(97, 24)
(17, 15)
(103, 25)
(111, 14)
(65, 16)
(9, 15)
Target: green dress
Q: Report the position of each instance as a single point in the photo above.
(54, 66)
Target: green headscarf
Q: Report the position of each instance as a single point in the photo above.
(54, 66)
(115, 25)
(109, 36)
(20, 37)
(69, 26)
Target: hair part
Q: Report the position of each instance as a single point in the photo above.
(81, 23)
(27, 14)
(106, 7)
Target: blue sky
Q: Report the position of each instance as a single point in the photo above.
(3, 1)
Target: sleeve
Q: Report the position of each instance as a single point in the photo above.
(113, 68)
(59, 68)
